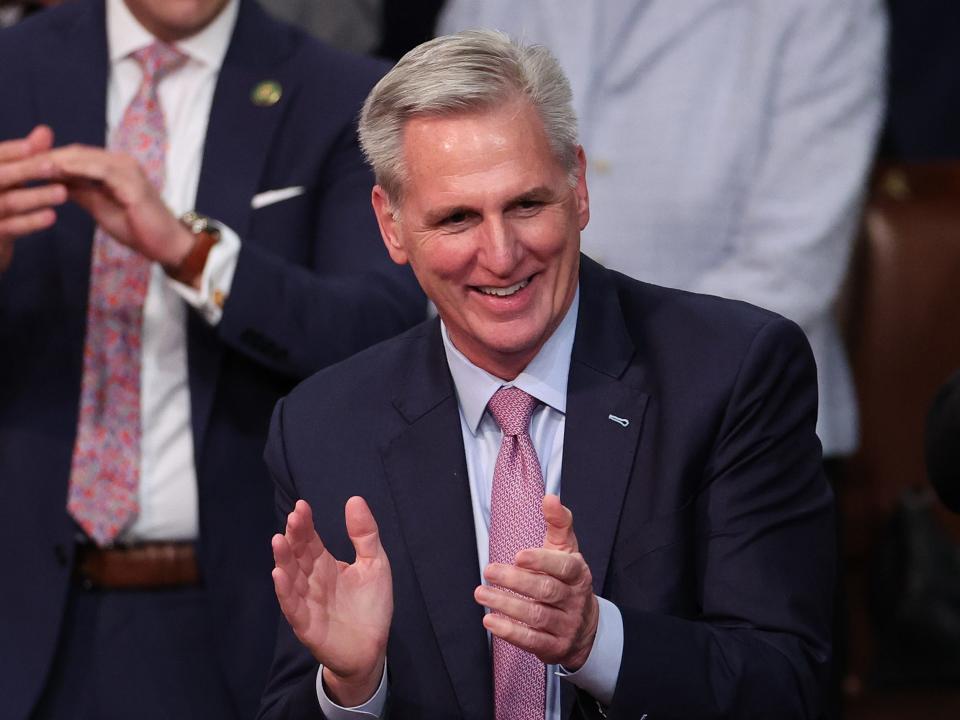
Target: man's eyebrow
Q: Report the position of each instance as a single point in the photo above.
(539, 193)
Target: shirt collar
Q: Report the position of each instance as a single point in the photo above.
(545, 377)
(125, 35)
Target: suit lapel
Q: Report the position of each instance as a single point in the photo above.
(71, 93)
(427, 475)
(603, 427)
(239, 136)
(239, 131)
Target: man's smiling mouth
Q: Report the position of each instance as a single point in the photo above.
(503, 291)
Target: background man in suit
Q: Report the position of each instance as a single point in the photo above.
(169, 612)
(688, 572)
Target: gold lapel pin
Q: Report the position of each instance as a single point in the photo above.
(266, 93)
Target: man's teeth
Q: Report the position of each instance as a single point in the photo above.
(504, 291)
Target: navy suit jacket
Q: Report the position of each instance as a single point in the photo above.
(707, 520)
(313, 284)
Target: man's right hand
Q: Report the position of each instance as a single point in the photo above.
(341, 612)
(24, 210)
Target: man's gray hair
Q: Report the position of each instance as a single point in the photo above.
(471, 71)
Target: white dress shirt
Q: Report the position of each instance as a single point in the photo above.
(168, 483)
(728, 145)
(545, 378)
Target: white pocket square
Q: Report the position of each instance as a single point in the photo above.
(274, 196)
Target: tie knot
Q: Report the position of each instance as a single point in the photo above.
(158, 60)
(511, 407)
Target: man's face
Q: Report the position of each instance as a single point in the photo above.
(491, 228)
(172, 20)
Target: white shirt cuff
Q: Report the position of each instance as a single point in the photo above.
(372, 708)
(598, 675)
(217, 277)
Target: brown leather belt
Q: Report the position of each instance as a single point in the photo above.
(137, 567)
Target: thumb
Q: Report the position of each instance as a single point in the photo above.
(362, 528)
(559, 520)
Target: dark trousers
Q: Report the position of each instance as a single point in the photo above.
(136, 654)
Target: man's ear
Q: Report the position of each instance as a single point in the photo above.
(580, 190)
(389, 225)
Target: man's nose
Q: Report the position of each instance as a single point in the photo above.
(501, 249)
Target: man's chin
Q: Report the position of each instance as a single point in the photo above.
(505, 355)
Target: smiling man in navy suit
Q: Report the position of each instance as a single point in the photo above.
(684, 560)
(165, 610)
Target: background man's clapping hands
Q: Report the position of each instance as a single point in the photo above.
(111, 186)
(24, 208)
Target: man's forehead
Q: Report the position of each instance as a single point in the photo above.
(459, 146)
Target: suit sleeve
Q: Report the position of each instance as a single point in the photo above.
(759, 644)
(297, 316)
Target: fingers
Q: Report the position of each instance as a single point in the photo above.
(565, 566)
(553, 636)
(300, 530)
(17, 172)
(19, 202)
(295, 553)
(290, 594)
(559, 523)
(539, 616)
(85, 165)
(305, 544)
(287, 563)
(552, 588)
(362, 529)
(11, 150)
(544, 645)
(39, 140)
(554, 619)
(20, 225)
(117, 172)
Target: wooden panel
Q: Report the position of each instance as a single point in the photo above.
(902, 312)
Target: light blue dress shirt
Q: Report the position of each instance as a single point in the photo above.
(546, 379)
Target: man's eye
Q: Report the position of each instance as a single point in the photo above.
(528, 206)
(456, 218)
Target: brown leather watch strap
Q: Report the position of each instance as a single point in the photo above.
(205, 237)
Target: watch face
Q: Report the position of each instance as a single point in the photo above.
(195, 222)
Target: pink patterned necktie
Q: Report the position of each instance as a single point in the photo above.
(105, 472)
(516, 523)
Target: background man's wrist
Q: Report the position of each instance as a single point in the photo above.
(196, 238)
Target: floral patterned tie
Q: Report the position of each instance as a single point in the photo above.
(516, 523)
(105, 472)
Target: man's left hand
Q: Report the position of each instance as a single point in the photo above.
(544, 603)
(113, 188)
